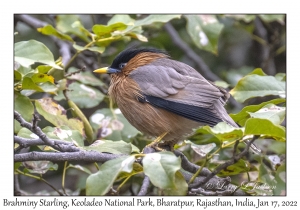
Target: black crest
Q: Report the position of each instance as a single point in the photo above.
(126, 55)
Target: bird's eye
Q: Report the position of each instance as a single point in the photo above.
(122, 65)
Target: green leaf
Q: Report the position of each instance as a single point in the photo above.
(201, 150)
(280, 178)
(43, 69)
(222, 84)
(223, 131)
(80, 168)
(25, 133)
(134, 28)
(155, 19)
(101, 182)
(86, 78)
(24, 71)
(280, 76)
(64, 133)
(93, 48)
(161, 168)
(114, 126)
(101, 30)
(55, 114)
(137, 36)
(57, 74)
(39, 167)
(126, 19)
(243, 115)
(205, 31)
(49, 30)
(255, 85)
(258, 71)
(277, 147)
(17, 165)
(264, 174)
(17, 76)
(137, 168)
(23, 105)
(82, 95)
(246, 18)
(71, 24)
(48, 87)
(32, 51)
(271, 112)
(181, 187)
(239, 167)
(270, 18)
(114, 147)
(39, 77)
(256, 126)
(203, 137)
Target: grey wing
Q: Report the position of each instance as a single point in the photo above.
(179, 88)
(176, 81)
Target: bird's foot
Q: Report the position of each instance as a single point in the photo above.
(156, 144)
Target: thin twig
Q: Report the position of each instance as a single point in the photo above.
(216, 184)
(203, 68)
(75, 72)
(264, 53)
(233, 160)
(41, 179)
(198, 172)
(24, 142)
(38, 131)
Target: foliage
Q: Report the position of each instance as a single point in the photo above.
(75, 108)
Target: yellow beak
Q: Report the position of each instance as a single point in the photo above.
(107, 70)
(102, 70)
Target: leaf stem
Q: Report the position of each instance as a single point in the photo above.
(97, 166)
(76, 54)
(41, 179)
(121, 185)
(112, 108)
(64, 176)
(215, 152)
(198, 171)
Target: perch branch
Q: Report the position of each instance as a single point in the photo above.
(86, 156)
(145, 186)
(37, 130)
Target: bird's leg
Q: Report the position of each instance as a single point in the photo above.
(155, 143)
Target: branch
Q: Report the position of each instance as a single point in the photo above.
(75, 72)
(233, 160)
(87, 156)
(203, 68)
(64, 47)
(24, 142)
(267, 60)
(190, 167)
(145, 186)
(215, 186)
(37, 130)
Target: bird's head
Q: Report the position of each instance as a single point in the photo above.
(130, 59)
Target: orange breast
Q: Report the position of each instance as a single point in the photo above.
(146, 118)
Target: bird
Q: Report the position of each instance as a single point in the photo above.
(162, 97)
